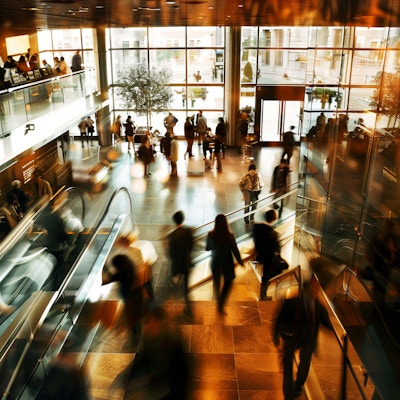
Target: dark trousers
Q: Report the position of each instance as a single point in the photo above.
(289, 348)
(221, 295)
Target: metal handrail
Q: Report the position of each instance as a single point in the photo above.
(94, 233)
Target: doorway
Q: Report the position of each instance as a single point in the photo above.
(277, 116)
(277, 109)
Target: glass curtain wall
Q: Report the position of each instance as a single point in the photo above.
(348, 124)
(194, 56)
(349, 150)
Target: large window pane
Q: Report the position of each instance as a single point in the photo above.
(394, 38)
(167, 37)
(124, 58)
(283, 37)
(87, 38)
(327, 66)
(371, 37)
(360, 98)
(67, 39)
(249, 65)
(366, 64)
(249, 36)
(392, 61)
(205, 65)
(205, 36)
(206, 97)
(128, 37)
(44, 40)
(282, 66)
(329, 37)
(172, 60)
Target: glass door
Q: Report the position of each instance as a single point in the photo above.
(277, 116)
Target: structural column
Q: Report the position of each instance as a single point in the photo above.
(103, 121)
(232, 82)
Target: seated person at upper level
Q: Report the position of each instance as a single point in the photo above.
(22, 66)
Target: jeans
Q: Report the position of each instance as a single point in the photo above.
(250, 199)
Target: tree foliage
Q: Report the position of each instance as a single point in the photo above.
(144, 90)
(386, 99)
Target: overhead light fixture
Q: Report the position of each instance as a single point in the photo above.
(172, 2)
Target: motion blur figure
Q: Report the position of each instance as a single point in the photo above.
(161, 358)
(297, 324)
(124, 271)
(67, 380)
(222, 244)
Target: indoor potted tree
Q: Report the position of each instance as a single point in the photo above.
(145, 90)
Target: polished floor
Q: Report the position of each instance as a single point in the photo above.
(229, 357)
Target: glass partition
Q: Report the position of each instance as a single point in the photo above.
(26, 102)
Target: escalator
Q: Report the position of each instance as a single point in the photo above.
(27, 264)
(44, 320)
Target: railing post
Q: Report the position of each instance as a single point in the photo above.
(344, 370)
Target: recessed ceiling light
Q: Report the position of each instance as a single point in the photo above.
(170, 2)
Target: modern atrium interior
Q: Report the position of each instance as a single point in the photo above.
(282, 63)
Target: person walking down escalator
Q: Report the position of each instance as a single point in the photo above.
(56, 239)
(125, 272)
(223, 246)
(266, 246)
(280, 183)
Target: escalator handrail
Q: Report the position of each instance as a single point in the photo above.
(26, 222)
(94, 233)
(79, 192)
(270, 199)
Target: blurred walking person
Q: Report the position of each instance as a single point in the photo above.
(125, 272)
(180, 246)
(297, 324)
(280, 183)
(222, 244)
(250, 185)
(189, 135)
(266, 245)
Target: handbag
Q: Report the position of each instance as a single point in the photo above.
(280, 264)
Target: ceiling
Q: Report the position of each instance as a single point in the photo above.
(53, 14)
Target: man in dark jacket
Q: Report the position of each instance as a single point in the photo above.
(266, 247)
(180, 245)
(280, 182)
(22, 197)
(297, 324)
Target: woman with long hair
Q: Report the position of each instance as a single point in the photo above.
(222, 243)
